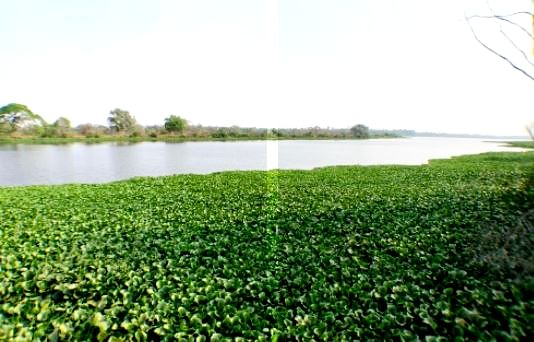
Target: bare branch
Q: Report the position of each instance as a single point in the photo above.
(467, 19)
(510, 40)
(500, 17)
(506, 15)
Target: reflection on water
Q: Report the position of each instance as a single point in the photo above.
(95, 163)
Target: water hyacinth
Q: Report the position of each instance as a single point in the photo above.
(354, 253)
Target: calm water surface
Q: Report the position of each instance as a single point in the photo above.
(96, 163)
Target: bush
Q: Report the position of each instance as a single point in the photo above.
(137, 131)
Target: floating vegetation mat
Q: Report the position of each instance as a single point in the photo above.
(339, 253)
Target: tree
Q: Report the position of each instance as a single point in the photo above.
(60, 127)
(15, 115)
(62, 123)
(121, 121)
(175, 124)
(360, 131)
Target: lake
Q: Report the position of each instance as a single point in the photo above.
(27, 164)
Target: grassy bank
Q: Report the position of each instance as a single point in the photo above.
(361, 253)
(523, 144)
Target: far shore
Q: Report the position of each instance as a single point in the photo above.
(178, 139)
(170, 138)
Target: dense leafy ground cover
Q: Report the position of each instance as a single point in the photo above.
(340, 253)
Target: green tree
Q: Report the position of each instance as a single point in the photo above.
(14, 115)
(175, 124)
(121, 121)
(360, 131)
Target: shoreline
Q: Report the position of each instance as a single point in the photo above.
(170, 139)
(181, 139)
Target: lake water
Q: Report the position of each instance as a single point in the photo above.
(96, 163)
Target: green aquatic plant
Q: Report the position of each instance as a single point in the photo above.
(337, 253)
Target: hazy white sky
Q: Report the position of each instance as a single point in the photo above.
(268, 63)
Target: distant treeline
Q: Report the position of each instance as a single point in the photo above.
(195, 131)
(18, 121)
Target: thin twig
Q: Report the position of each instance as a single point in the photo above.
(500, 17)
(510, 40)
(506, 15)
(496, 53)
